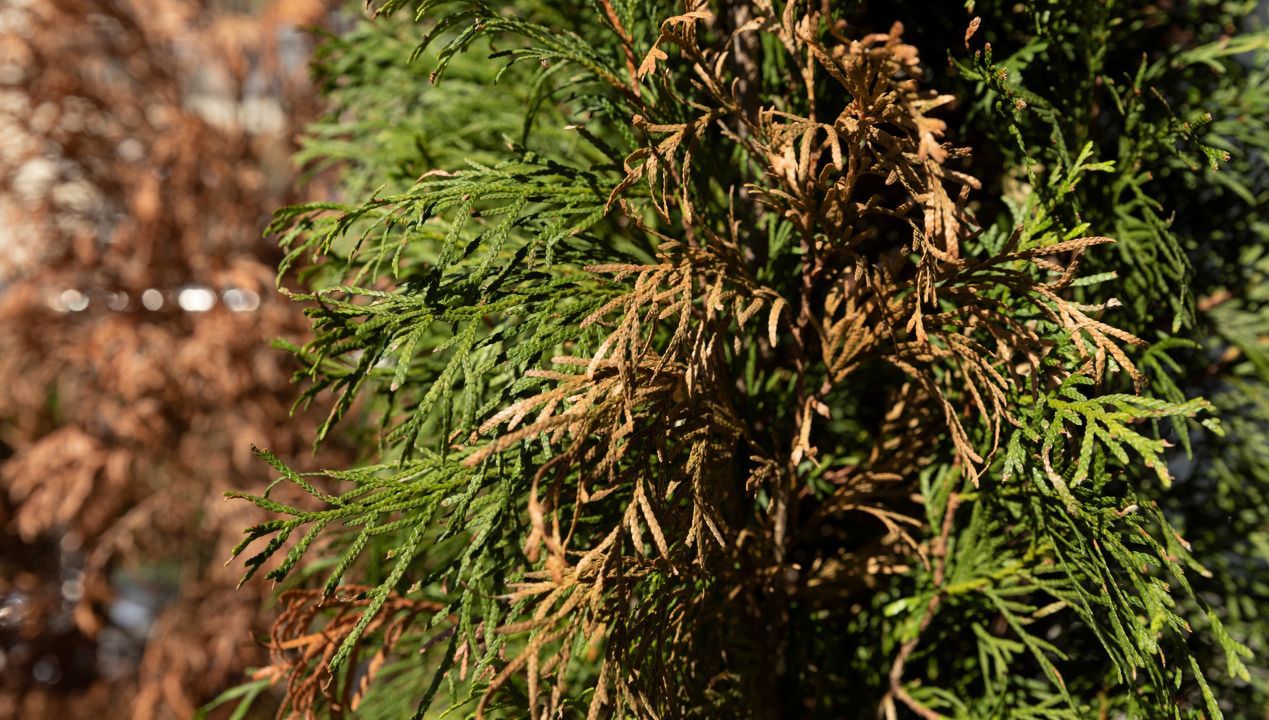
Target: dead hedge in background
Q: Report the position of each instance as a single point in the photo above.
(143, 146)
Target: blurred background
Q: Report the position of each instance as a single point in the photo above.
(143, 146)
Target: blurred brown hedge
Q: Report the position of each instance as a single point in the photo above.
(143, 144)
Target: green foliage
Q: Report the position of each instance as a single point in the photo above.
(715, 382)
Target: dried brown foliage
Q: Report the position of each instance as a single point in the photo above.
(307, 633)
(144, 144)
(880, 216)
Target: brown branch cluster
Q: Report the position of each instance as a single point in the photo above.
(144, 145)
(308, 630)
(715, 500)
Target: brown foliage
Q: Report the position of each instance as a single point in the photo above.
(144, 145)
(309, 630)
(880, 213)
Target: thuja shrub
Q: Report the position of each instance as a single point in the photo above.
(759, 359)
